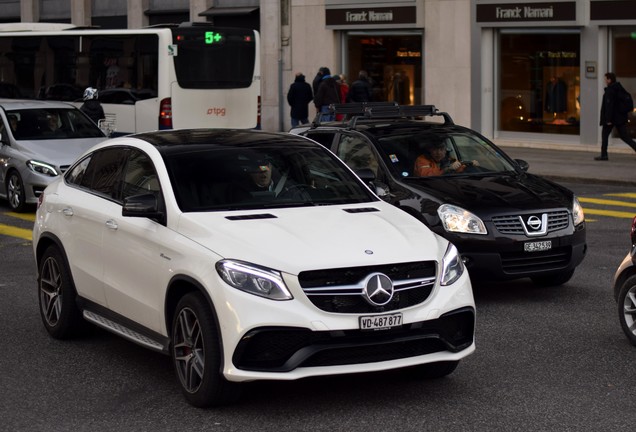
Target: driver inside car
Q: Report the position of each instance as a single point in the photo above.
(435, 161)
(261, 175)
(256, 179)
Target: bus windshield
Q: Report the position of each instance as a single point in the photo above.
(214, 59)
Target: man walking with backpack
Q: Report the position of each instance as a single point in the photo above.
(617, 103)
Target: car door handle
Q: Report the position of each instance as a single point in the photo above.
(67, 211)
(111, 224)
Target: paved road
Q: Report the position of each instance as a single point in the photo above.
(546, 360)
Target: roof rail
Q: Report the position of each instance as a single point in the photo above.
(349, 110)
(359, 108)
(380, 110)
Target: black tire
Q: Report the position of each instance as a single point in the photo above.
(627, 308)
(15, 192)
(554, 279)
(197, 354)
(433, 370)
(57, 296)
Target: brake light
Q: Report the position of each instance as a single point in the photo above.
(165, 114)
(258, 113)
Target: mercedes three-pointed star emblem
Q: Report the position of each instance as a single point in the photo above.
(378, 289)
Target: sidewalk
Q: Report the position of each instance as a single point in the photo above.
(567, 164)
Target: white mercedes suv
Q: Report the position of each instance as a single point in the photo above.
(246, 255)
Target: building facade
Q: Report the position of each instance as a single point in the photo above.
(538, 67)
(522, 71)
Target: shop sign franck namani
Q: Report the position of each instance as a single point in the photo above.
(530, 12)
(373, 17)
(369, 16)
(524, 12)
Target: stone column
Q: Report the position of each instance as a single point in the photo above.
(198, 6)
(136, 16)
(30, 10)
(81, 13)
(271, 64)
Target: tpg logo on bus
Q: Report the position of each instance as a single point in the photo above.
(219, 112)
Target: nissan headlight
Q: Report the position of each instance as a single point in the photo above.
(452, 266)
(577, 212)
(42, 168)
(253, 279)
(456, 219)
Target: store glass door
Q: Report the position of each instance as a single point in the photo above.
(393, 62)
(624, 66)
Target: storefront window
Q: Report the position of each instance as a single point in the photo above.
(539, 81)
(393, 62)
(624, 65)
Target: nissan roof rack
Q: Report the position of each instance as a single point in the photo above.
(381, 110)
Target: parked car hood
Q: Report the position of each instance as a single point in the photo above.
(323, 237)
(491, 194)
(58, 151)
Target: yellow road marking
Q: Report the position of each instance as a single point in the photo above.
(16, 232)
(24, 216)
(623, 195)
(617, 214)
(607, 202)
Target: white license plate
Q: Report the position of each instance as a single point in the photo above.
(380, 322)
(537, 246)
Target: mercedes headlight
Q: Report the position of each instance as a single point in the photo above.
(456, 219)
(42, 168)
(452, 266)
(577, 212)
(253, 279)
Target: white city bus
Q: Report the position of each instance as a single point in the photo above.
(168, 77)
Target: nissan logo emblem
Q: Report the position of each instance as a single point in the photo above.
(534, 223)
(378, 289)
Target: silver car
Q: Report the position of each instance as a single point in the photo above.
(38, 141)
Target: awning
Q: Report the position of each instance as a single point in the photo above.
(152, 12)
(227, 11)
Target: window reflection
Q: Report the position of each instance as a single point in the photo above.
(624, 66)
(540, 82)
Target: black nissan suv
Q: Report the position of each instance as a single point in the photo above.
(506, 222)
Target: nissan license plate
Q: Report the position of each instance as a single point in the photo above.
(537, 246)
(380, 322)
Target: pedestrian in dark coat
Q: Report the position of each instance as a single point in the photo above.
(328, 93)
(612, 116)
(318, 78)
(360, 90)
(298, 97)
